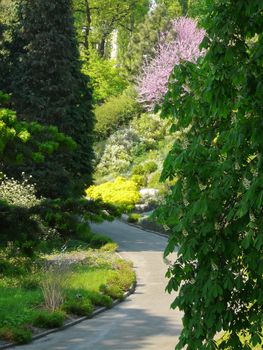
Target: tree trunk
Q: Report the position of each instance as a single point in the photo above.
(102, 45)
(86, 29)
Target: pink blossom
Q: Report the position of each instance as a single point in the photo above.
(183, 46)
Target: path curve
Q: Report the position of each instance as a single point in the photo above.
(144, 320)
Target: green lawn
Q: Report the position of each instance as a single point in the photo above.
(84, 285)
(17, 305)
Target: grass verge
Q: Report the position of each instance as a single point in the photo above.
(35, 295)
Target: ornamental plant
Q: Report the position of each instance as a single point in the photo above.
(181, 43)
(214, 211)
(122, 193)
(49, 87)
(117, 155)
(24, 142)
(142, 134)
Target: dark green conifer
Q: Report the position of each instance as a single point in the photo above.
(48, 87)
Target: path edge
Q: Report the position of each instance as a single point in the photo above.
(78, 320)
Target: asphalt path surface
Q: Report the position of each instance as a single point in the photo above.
(144, 321)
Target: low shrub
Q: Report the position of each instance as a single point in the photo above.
(46, 319)
(100, 299)
(18, 335)
(113, 291)
(150, 167)
(134, 217)
(79, 307)
(18, 222)
(116, 111)
(138, 170)
(122, 193)
(30, 282)
(118, 152)
(119, 280)
(154, 180)
(123, 277)
(143, 134)
(109, 247)
(139, 180)
(151, 129)
(97, 241)
(145, 169)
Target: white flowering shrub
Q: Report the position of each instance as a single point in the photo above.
(117, 155)
(150, 128)
(124, 145)
(19, 220)
(18, 193)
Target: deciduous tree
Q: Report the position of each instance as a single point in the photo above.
(214, 211)
(181, 43)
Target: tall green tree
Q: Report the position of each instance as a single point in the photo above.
(143, 41)
(103, 16)
(189, 8)
(215, 210)
(48, 87)
(7, 14)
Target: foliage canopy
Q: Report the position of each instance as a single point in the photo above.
(215, 208)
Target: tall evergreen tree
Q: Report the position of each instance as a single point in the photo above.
(48, 87)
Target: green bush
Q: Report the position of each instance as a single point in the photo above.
(114, 292)
(134, 217)
(30, 282)
(118, 152)
(98, 241)
(79, 307)
(114, 112)
(154, 180)
(46, 319)
(139, 180)
(145, 169)
(122, 193)
(119, 281)
(123, 277)
(101, 299)
(138, 170)
(151, 129)
(150, 167)
(18, 335)
(18, 221)
(109, 247)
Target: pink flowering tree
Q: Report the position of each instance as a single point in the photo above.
(180, 44)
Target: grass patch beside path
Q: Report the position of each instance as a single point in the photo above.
(82, 280)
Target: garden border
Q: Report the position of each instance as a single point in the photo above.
(124, 220)
(130, 291)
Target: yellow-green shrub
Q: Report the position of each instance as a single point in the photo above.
(122, 193)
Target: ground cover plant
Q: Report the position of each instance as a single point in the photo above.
(88, 279)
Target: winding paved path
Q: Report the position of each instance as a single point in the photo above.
(144, 320)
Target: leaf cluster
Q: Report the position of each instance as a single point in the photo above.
(215, 208)
(22, 142)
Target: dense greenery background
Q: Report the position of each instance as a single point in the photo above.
(71, 116)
